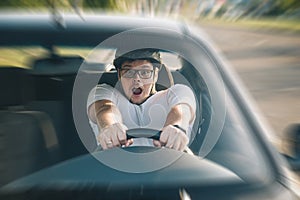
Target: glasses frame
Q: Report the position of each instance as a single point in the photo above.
(137, 71)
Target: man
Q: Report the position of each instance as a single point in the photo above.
(136, 104)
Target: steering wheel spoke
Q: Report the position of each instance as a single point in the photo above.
(143, 133)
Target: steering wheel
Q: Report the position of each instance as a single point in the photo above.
(145, 133)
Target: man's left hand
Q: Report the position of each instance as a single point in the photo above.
(173, 138)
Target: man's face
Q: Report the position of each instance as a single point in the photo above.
(137, 79)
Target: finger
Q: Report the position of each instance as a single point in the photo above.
(129, 142)
(171, 140)
(102, 142)
(177, 144)
(182, 147)
(157, 143)
(170, 144)
(121, 135)
(184, 142)
(109, 144)
(106, 140)
(103, 145)
(114, 138)
(164, 137)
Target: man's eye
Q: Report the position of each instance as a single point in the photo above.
(145, 72)
(129, 72)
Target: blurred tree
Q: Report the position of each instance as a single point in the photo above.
(281, 7)
(288, 4)
(107, 4)
(22, 3)
(249, 8)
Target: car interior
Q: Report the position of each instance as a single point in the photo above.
(37, 121)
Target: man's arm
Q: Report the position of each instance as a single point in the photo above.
(112, 132)
(104, 113)
(180, 115)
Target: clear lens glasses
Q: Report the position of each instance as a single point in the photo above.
(143, 73)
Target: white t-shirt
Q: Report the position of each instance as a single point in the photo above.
(150, 114)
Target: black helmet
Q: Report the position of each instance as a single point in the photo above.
(150, 54)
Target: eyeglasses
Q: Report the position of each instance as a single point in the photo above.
(143, 73)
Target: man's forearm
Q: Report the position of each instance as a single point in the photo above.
(104, 113)
(180, 115)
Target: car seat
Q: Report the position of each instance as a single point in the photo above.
(53, 78)
(204, 110)
(27, 138)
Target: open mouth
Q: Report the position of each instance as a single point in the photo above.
(137, 91)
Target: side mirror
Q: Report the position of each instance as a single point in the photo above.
(291, 146)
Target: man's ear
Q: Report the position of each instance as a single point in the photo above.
(156, 70)
(153, 90)
(119, 74)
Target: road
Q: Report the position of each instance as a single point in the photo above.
(268, 63)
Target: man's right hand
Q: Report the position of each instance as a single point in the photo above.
(113, 136)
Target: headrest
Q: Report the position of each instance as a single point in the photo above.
(15, 86)
(110, 78)
(165, 79)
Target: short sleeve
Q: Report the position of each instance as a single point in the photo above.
(101, 92)
(179, 93)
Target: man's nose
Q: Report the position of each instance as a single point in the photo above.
(136, 76)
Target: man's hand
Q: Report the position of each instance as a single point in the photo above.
(113, 136)
(173, 138)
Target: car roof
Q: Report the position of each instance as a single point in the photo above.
(71, 29)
